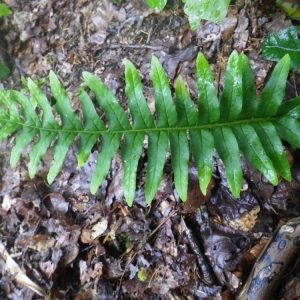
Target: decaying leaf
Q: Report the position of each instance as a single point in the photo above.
(18, 274)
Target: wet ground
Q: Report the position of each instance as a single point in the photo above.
(74, 245)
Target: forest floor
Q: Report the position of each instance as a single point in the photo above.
(74, 245)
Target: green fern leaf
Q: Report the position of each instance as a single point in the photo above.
(273, 93)
(291, 108)
(202, 147)
(142, 119)
(187, 116)
(273, 147)
(239, 123)
(158, 140)
(11, 120)
(70, 124)
(250, 145)
(49, 125)
(29, 131)
(232, 96)
(228, 149)
(208, 105)
(92, 125)
(250, 102)
(288, 129)
(165, 108)
(109, 147)
(108, 103)
(118, 122)
(141, 114)
(202, 142)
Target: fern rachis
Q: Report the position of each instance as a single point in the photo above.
(239, 122)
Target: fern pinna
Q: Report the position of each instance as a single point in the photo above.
(238, 122)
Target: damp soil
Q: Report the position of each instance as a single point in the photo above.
(75, 245)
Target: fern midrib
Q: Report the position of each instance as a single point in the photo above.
(155, 129)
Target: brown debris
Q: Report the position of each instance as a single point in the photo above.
(74, 245)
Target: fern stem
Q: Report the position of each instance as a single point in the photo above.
(146, 130)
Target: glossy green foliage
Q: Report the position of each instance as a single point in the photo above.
(212, 10)
(4, 10)
(239, 122)
(160, 4)
(291, 7)
(4, 71)
(196, 10)
(285, 42)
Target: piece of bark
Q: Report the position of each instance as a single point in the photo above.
(269, 268)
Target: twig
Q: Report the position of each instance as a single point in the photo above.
(161, 224)
(272, 263)
(117, 46)
(202, 262)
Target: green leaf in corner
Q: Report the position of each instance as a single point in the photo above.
(160, 4)
(286, 42)
(4, 10)
(4, 70)
(213, 10)
(291, 7)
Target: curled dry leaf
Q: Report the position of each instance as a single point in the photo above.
(88, 235)
(98, 229)
(18, 274)
(39, 242)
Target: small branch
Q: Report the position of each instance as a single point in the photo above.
(270, 267)
(161, 224)
(117, 46)
(204, 266)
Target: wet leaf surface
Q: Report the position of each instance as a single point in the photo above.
(74, 245)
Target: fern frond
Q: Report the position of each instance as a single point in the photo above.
(239, 122)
